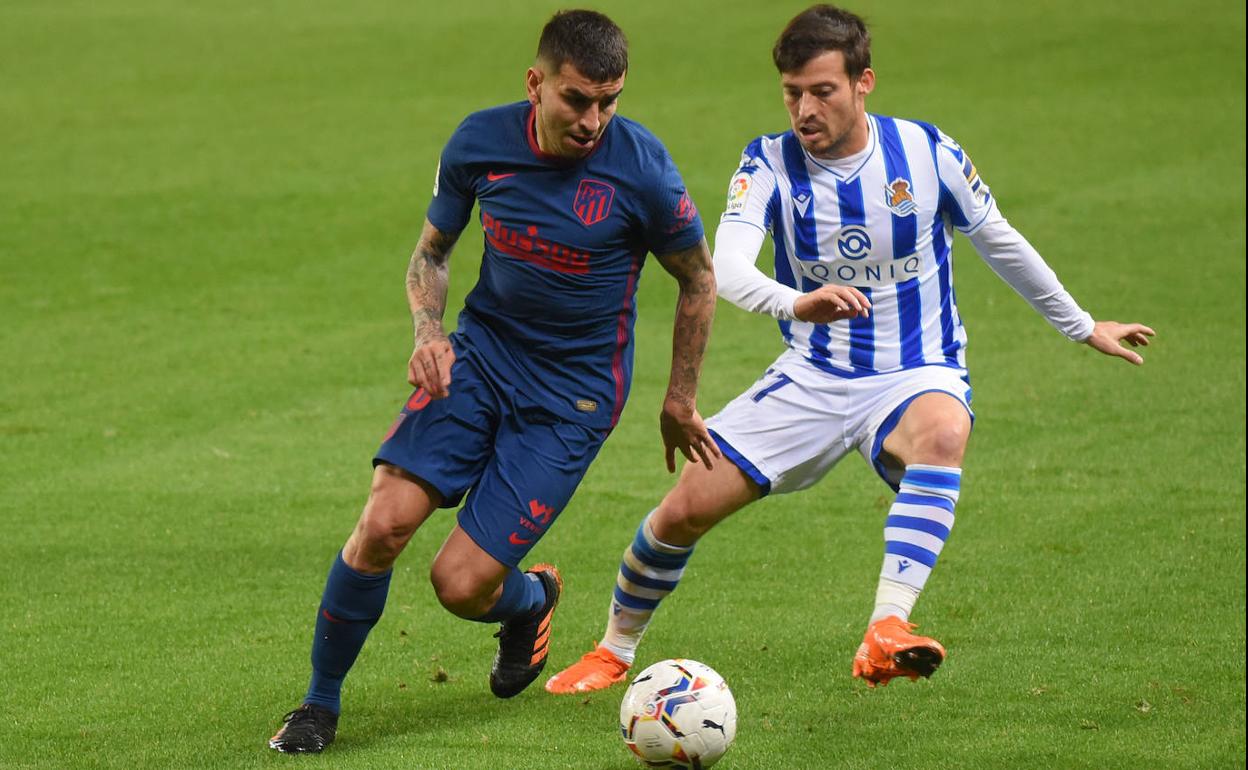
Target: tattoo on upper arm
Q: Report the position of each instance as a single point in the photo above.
(690, 265)
(431, 255)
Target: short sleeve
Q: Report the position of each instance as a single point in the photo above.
(673, 221)
(453, 194)
(965, 197)
(750, 190)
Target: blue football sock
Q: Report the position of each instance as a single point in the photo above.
(523, 594)
(350, 607)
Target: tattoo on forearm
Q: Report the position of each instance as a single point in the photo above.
(695, 310)
(427, 279)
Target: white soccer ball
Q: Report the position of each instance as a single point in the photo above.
(679, 714)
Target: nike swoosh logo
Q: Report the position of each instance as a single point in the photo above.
(492, 177)
(517, 540)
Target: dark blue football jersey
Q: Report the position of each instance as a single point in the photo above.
(565, 239)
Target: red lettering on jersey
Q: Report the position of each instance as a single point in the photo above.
(526, 244)
(593, 201)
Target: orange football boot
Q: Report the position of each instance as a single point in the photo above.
(596, 670)
(889, 650)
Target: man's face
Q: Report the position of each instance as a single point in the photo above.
(826, 108)
(572, 110)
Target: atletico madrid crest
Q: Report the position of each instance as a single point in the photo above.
(593, 201)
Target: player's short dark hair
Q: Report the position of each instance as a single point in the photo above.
(819, 29)
(589, 40)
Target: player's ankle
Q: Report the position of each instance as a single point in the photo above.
(625, 653)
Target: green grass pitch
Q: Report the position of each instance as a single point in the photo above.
(206, 211)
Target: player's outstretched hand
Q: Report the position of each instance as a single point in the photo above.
(430, 367)
(831, 302)
(1108, 336)
(683, 429)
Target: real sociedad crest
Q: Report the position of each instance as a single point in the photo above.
(593, 201)
(900, 200)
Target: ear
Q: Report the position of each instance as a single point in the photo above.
(532, 84)
(866, 82)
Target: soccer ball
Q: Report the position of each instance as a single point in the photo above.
(678, 714)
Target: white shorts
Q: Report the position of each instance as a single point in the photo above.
(789, 429)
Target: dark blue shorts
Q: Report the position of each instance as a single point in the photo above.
(517, 463)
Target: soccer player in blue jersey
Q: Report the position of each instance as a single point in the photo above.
(511, 408)
(861, 209)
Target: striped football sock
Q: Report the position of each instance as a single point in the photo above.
(649, 571)
(914, 534)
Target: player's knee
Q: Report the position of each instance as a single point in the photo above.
(381, 535)
(680, 520)
(387, 523)
(458, 593)
(942, 444)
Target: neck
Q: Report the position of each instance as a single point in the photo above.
(540, 144)
(545, 145)
(543, 142)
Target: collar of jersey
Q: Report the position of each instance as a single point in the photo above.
(872, 141)
(530, 133)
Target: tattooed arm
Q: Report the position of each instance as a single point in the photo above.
(680, 423)
(427, 275)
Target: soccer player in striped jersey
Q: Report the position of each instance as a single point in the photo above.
(861, 209)
(511, 409)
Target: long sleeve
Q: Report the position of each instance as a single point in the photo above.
(741, 282)
(1012, 258)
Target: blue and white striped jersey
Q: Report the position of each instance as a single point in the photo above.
(884, 226)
